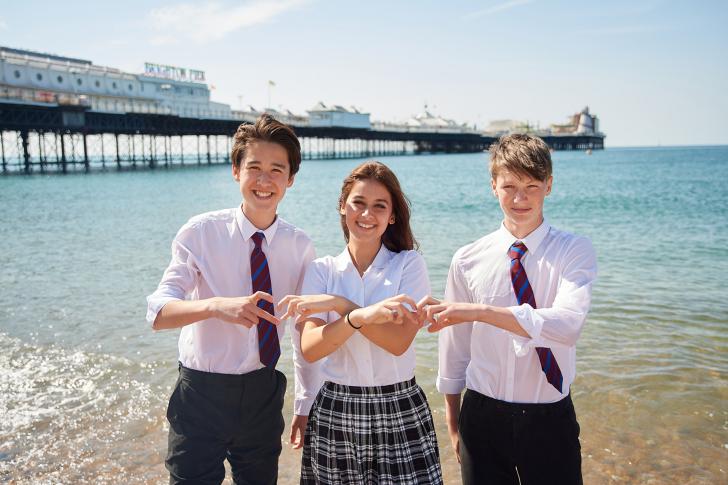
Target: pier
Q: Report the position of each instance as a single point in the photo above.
(42, 138)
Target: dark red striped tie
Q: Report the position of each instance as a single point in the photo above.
(524, 294)
(269, 347)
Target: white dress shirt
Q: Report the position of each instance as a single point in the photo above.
(561, 269)
(359, 362)
(211, 258)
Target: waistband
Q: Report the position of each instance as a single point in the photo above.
(396, 388)
(224, 380)
(484, 401)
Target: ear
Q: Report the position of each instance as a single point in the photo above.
(342, 211)
(549, 183)
(236, 172)
(492, 186)
(391, 220)
(290, 180)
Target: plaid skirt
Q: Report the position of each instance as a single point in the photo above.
(370, 435)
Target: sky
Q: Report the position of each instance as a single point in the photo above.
(655, 72)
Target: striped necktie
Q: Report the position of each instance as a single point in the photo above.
(524, 294)
(268, 345)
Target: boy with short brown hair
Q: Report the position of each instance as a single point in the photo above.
(515, 303)
(227, 266)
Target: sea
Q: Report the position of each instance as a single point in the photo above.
(84, 381)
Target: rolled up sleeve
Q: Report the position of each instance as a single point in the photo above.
(308, 377)
(454, 341)
(563, 321)
(181, 276)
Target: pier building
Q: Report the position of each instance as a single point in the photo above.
(62, 113)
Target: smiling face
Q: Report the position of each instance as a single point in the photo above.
(367, 211)
(263, 175)
(521, 199)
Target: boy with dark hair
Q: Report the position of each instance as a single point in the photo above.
(227, 266)
(516, 301)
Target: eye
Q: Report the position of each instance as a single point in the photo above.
(277, 170)
(380, 206)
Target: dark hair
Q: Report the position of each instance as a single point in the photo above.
(267, 128)
(398, 236)
(521, 154)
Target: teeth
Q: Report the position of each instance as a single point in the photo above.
(263, 194)
(365, 226)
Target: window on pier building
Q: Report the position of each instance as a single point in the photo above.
(98, 84)
(39, 76)
(79, 81)
(59, 79)
(17, 74)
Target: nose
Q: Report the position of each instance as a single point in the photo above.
(519, 195)
(263, 177)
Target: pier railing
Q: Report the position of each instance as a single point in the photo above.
(51, 138)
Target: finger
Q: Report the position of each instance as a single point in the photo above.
(434, 310)
(293, 438)
(247, 321)
(292, 309)
(260, 313)
(409, 301)
(298, 444)
(435, 327)
(427, 300)
(262, 295)
(285, 301)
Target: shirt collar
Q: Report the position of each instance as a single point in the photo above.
(343, 260)
(247, 229)
(532, 241)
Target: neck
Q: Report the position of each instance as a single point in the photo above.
(363, 254)
(522, 230)
(261, 220)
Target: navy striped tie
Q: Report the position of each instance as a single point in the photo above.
(524, 294)
(269, 347)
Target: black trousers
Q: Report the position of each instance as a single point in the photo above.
(217, 416)
(509, 443)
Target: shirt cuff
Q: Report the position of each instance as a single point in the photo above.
(301, 407)
(532, 323)
(446, 385)
(155, 305)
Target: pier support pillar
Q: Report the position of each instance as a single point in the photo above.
(26, 153)
(86, 165)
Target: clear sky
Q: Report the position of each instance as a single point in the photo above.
(654, 71)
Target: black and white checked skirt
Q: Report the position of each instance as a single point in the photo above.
(370, 435)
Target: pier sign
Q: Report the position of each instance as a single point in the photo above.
(173, 72)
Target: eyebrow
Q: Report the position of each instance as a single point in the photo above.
(360, 197)
(275, 164)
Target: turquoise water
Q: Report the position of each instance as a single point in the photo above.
(84, 381)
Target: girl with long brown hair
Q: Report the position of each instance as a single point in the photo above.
(370, 422)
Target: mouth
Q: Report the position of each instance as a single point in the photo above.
(262, 195)
(365, 226)
(520, 210)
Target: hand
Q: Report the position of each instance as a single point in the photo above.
(391, 310)
(455, 441)
(452, 419)
(305, 305)
(298, 431)
(443, 314)
(243, 310)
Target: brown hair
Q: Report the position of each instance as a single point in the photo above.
(521, 154)
(398, 236)
(267, 128)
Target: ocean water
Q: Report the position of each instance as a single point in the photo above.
(84, 381)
